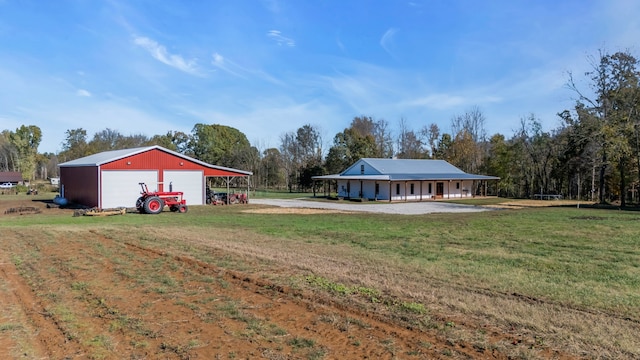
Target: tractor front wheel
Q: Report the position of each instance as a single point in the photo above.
(182, 209)
(153, 205)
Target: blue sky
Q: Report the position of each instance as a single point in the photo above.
(267, 67)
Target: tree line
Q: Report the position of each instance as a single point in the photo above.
(593, 154)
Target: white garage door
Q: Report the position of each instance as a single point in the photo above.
(122, 188)
(191, 183)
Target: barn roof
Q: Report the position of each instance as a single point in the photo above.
(10, 176)
(404, 170)
(113, 155)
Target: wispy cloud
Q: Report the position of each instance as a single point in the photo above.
(387, 40)
(437, 101)
(272, 5)
(233, 68)
(160, 53)
(277, 36)
(227, 66)
(83, 93)
(340, 45)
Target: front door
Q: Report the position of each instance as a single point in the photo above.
(439, 190)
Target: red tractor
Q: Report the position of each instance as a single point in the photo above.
(154, 202)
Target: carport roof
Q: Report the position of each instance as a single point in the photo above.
(113, 155)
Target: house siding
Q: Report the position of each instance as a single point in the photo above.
(388, 189)
(356, 169)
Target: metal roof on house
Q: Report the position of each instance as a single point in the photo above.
(113, 155)
(411, 166)
(405, 170)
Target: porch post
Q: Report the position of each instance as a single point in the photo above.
(473, 188)
(405, 191)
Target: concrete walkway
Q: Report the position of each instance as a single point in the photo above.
(406, 208)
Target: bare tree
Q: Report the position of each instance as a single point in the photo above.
(432, 134)
(410, 144)
(470, 139)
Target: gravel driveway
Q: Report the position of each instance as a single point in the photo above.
(406, 208)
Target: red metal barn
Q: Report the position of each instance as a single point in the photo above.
(111, 179)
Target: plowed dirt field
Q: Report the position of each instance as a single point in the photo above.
(98, 293)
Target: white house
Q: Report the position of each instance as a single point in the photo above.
(406, 179)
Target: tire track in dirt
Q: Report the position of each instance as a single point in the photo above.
(78, 265)
(52, 342)
(382, 335)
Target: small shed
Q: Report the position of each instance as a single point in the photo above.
(112, 179)
(405, 180)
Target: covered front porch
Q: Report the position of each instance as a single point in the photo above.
(402, 190)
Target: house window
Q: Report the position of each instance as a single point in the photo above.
(411, 189)
(377, 189)
(397, 189)
(429, 188)
(362, 169)
(457, 185)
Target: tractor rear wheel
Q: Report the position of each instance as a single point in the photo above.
(153, 205)
(182, 209)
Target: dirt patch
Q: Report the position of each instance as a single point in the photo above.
(297, 211)
(26, 207)
(590, 218)
(521, 204)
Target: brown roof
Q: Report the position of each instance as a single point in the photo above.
(10, 176)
